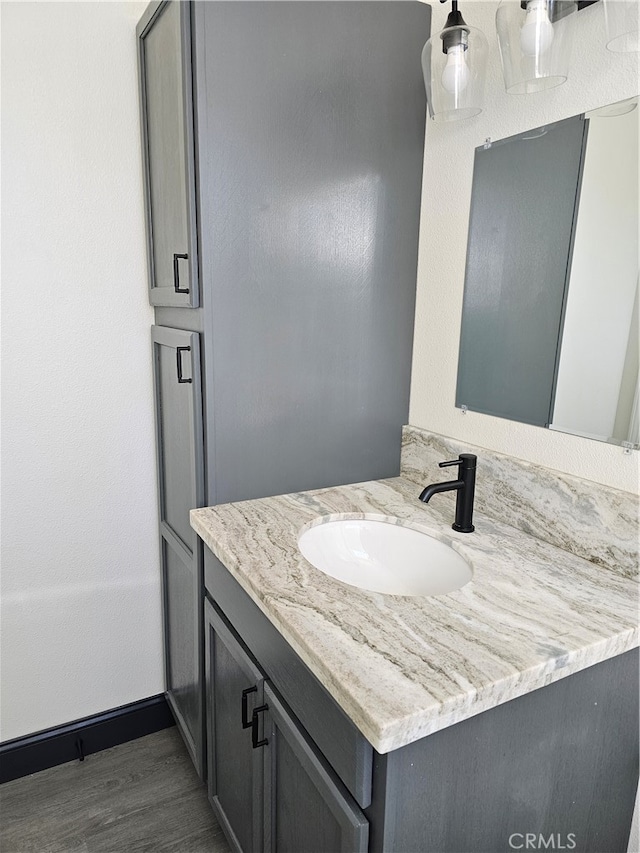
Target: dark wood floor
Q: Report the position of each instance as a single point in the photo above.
(141, 796)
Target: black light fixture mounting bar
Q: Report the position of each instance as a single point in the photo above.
(459, 36)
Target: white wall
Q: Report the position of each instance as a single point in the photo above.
(597, 77)
(81, 628)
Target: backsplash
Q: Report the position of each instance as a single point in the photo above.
(587, 519)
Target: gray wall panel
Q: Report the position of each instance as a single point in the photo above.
(310, 159)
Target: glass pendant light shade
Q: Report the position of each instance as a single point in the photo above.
(535, 39)
(621, 18)
(454, 63)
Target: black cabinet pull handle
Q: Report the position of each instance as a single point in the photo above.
(179, 351)
(176, 274)
(245, 699)
(254, 727)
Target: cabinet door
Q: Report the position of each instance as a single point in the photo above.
(164, 45)
(234, 688)
(176, 367)
(179, 430)
(307, 809)
(181, 591)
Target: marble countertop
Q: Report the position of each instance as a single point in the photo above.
(402, 668)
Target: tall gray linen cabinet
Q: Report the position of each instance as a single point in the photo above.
(282, 157)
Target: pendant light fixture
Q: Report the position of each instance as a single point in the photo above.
(621, 19)
(535, 39)
(454, 65)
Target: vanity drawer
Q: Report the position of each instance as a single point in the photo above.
(344, 747)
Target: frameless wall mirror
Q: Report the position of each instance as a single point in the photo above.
(550, 315)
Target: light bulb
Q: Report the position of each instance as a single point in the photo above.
(455, 76)
(537, 33)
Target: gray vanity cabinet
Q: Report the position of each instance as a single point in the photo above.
(560, 762)
(269, 785)
(178, 406)
(164, 45)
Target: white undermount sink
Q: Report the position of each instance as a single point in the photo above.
(381, 555)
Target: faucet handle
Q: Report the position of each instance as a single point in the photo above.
(467, 459)
(449, 464)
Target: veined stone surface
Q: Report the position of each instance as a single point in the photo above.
(402, 668)
(587, 519)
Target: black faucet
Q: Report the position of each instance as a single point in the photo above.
(465, 485)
